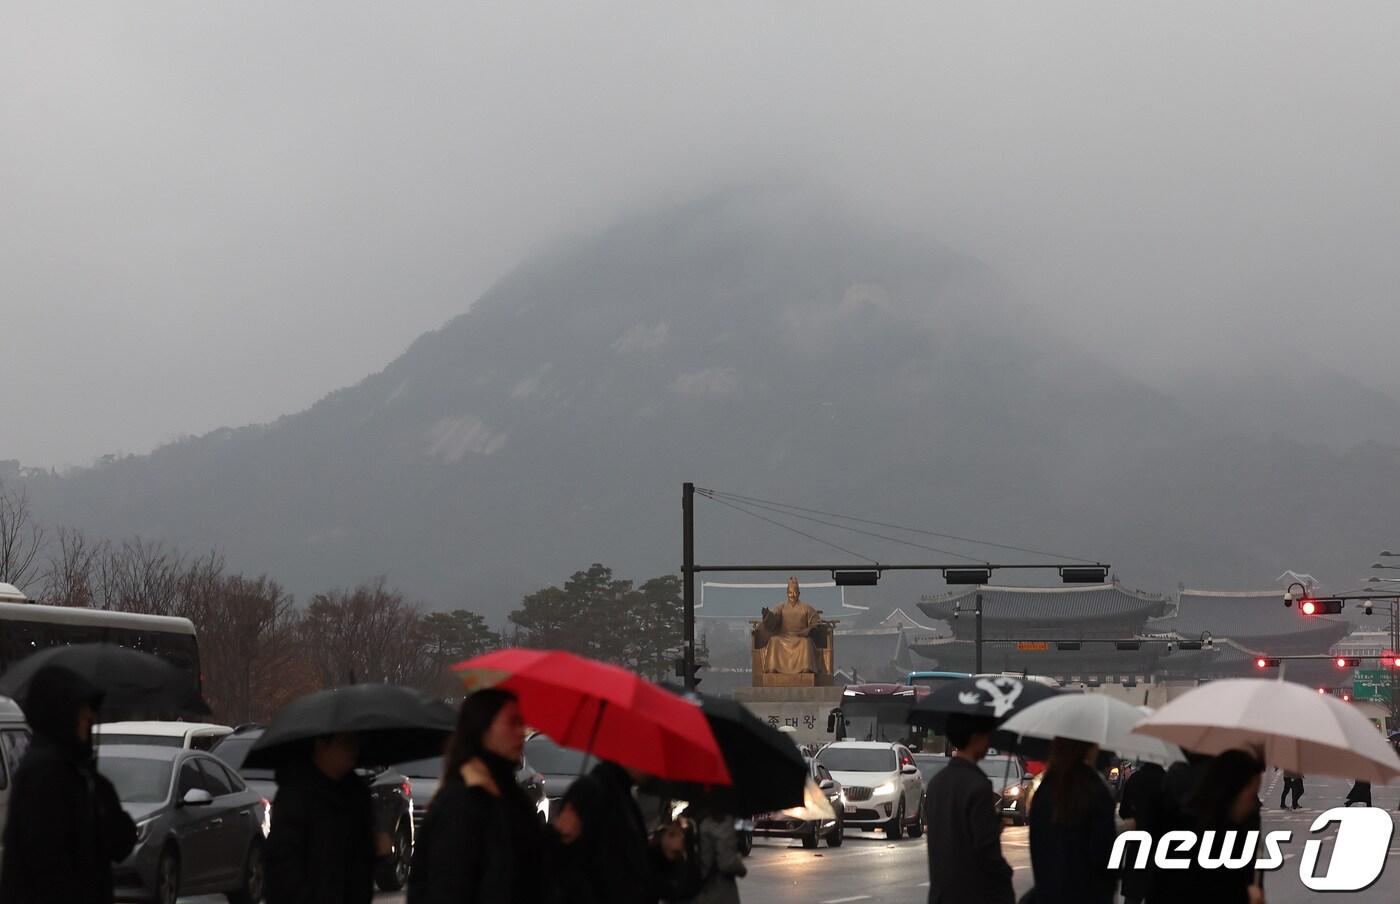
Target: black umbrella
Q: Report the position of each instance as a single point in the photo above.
(995, 697)
(394, 724)
(133, 684)
(767, 769)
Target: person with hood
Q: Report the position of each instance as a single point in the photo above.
(481, 842)
(1072, 829)
(66, 827)
(628, 868)
(322, 846)
(965, 862)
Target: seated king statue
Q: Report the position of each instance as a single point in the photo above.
(791, 649)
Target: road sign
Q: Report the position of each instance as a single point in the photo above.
(1034, 646)
(1370, 684)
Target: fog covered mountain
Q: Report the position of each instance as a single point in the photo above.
(768, 344)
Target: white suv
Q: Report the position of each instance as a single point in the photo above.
(882, 787)
(189, 735)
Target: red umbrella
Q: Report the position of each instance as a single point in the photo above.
(604, 710)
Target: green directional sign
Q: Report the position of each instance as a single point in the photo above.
(1370, 684)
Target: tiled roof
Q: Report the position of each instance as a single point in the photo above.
(717, 599)
(1249, 614)
(873, 653)
(1049, 604)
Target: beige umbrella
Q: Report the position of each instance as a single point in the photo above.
(1289, 725)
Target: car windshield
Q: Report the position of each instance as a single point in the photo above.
(1001, 769)
(234, 750)
(930, 766)
(143, 739)
(858, 759)
(426, 768)
(549, 758)
(138, 780)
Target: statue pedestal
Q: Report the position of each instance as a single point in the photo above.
(804, 708)
(806, 679)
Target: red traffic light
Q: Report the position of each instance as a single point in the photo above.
(1266, 662)
(1319, 607)
(1389, 660)
(1347, 662)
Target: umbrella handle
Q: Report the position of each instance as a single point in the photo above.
(593, 736)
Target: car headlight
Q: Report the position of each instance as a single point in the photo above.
(143, 829)
(886, 788)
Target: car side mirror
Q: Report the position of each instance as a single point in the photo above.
(196, 797)
(826, 784)
(910, 770)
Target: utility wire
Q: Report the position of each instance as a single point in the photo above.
(858, 530)
(715, 494)
(791, 528)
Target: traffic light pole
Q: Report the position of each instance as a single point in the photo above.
(978, 660)
(688, 581)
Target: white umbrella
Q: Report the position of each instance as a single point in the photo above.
(1095, 718)
(1292, 726)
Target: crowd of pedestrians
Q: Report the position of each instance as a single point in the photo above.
(1072, 827)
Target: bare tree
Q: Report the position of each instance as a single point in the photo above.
(141, 576)
(248, 646)
(69, 579)
(21, 539)
(367, 633)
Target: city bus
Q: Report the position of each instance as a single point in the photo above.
(27, 628)
(877, 712)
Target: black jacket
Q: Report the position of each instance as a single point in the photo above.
(66, 826)
(477, 848)
(1071, 861)
(621, 868)
(965, 865)
(1141, 802)
(321, 847)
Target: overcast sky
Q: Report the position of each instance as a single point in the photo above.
(216, 213)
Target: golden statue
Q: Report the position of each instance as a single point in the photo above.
(791, 649)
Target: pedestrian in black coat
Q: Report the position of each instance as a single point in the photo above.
(1072, 829)
(481, 841)
(965, 864)
(321, 849)
(1292, 782)
(66, 827)
(1360, 793)
(1141, 804)
(1225, 798)
(627, 868)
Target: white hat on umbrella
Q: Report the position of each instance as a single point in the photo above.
(1290, 725)
(1096, 719)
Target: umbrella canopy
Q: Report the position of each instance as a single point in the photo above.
(997, 697)
(1293, 727)
(1095, 718)
(766, 768)
(132, 683)
(604, 710)
(393, 724)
